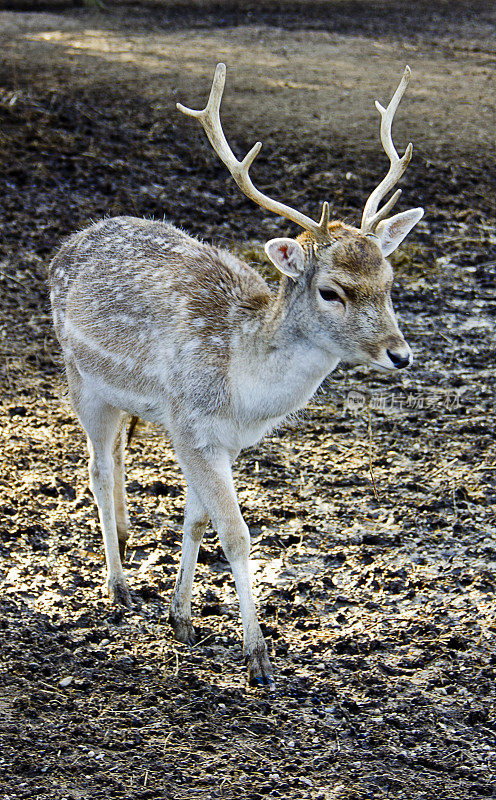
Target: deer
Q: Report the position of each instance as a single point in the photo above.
(155, 324)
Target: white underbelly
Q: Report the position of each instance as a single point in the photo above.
(146, 405)
(228, 433)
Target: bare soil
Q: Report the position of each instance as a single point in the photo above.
(372, 516)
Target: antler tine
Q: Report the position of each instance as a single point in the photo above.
(371, 216)
(209, 118)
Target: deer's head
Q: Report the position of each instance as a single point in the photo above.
(340, 273)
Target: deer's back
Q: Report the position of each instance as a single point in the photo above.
(141, 307)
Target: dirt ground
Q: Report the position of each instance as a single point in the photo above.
(372, 516)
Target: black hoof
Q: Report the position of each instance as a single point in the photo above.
(260, 670)
(183, 630)
(119, 594)
(265, 682)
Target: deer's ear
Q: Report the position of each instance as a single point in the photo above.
(287, 255)
(392, 231)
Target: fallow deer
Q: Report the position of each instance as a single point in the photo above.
(157, 324)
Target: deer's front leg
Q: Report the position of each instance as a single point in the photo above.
(235, 540)
(195, 522)
(210, 476)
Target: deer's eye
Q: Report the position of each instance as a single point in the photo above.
(330, 296)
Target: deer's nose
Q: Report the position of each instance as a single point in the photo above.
(400, 360)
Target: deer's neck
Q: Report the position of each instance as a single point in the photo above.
(281, 322)
(280, 367)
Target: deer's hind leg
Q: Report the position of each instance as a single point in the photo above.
(102, 424)
(120, 502)
(195, 522)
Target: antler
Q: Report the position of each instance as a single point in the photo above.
(371, 217)
(209, 118)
